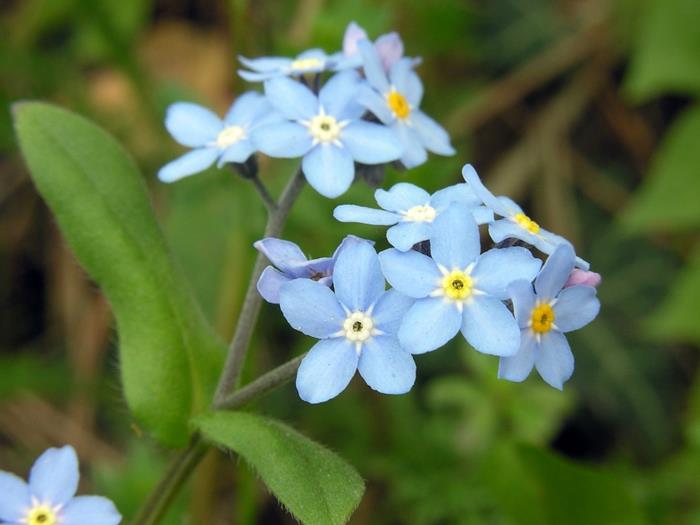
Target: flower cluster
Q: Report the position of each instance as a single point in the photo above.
(366, 113)
(49, 497)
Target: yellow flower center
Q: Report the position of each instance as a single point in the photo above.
(420, 213)
(41, 515)
(324, 128)
(527, 223)
(398, 104)
(457, 285)
(229, 135)
(304, 64)
(358, 327)
(542, 319)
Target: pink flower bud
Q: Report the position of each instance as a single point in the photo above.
(582, 277)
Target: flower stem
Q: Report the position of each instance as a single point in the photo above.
(267, 199)
(253, 301)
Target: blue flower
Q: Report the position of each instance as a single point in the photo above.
(395, 101)
(49, 497)
(411, 210)
(515, 224)
(544, 316)
(356, 324)
(326, 131)
(264, 68)
(458, 288)
(291, 264)
(389, 47)
(212, 138)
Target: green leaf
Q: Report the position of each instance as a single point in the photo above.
(668, 198)
(313, 483)
(666, 57)
(677, 317)
(169, 356)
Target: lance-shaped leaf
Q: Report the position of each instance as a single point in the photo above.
(313, 483)
(168, 354)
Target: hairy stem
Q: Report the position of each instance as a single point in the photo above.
(262, 385)
(253, 301)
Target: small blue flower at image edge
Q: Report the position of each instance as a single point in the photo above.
(457, 288)
(411, 211)
(49, 497)
(356, 325)
(312, 61)
(515, 224)
(326, 130)
(544, 316)
(289, 263)
(213, 138)
(395, 100)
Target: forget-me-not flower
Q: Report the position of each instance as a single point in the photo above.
(326, 131)
(389, 47)
(544, 316)
(395, 101)
(49, 497)
(458, 288)
(264, 68)
(356, 323)
(515, 224)
(291, 263)
(212, 138)
(411, 211)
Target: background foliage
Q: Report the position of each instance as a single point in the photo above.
(586, 112)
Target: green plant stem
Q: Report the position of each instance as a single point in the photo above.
(154, 508)
(263, 384)
(253, 301)
(267, 199)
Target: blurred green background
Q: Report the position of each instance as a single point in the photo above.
(585, 112)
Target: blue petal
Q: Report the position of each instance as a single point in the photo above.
(390, 310)
(386, 367)
(286, 140)
(553, 359)
(432, 135)
(192, 125)
(555, 272)
(374, 71)
(375, 103)
(14, 498)
(338, 96)
(265, 64)
(238, 152)
(488, 198)
(353, 213)
(190, 163)
(454, 242)
(575, 307)
(316, 53)
(329, 170)
(284, 254)
(311, 308)
(291, 98)
(405, 234)
(250, 106)
(414, 154)
(503, 229)
(401, 197)
(497, 268)
(428, 325)
(523, 297)
(411, 273)
(371, 143)
(461, 193)
(482, 215)
(90, 510)
(517, 367)
(406, 82)
(353, 34)
(490, 327)
(270, 283)
(357, 275)
(321, 265)
(389, 47)
(251, 76)
(54, 476)
(326, 370)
